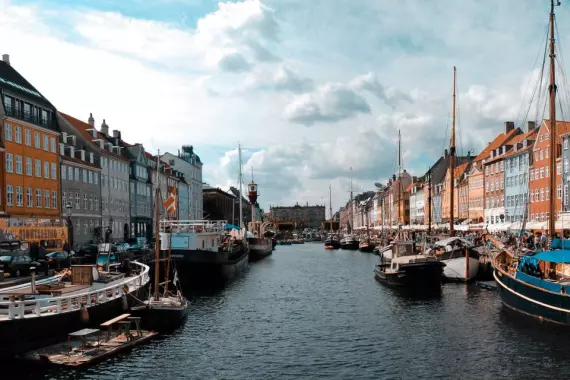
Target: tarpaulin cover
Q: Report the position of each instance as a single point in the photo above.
(561, 256)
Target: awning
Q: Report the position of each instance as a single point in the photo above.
(229, 227)
(559, 256)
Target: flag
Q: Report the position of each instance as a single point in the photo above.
(170, 202)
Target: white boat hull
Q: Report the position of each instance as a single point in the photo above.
(455, 269)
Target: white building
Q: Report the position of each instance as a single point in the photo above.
(417, 204)
(188, 163)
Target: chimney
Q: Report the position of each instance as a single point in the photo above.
(530, 125)
(6, 58)
(91, 121)
(105, 128)
(509, 126)
(394, 177)
(446, 153)
(116, 134)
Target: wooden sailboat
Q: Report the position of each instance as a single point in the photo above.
(167, 309)
(332, 241)
(535, 284)
(461, 260)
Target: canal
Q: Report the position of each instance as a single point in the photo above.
(307, 313)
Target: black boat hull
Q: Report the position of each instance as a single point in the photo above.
(532, 300)
(212, 273)
(22, 335)
(368, 248)
(332, 244)
(161, 320)
(259, 248)
(420, 276)
(352, 245)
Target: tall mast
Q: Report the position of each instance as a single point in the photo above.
(351, 205)
(156, 231)
(552, 90)
(330, 208)
(452, 161)
(399, 174)
(429, 201)
(240, 193)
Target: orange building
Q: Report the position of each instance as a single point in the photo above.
(459, 179)
(30, 158)
(539, 185)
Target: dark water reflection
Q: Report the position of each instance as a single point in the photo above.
(307, 313)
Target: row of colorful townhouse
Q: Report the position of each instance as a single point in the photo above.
(57, 168)
(506, 182)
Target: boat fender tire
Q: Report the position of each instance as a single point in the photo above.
(84, 313)
(125, 302)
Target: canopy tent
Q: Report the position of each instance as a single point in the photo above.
(229, 227)
(561, 256)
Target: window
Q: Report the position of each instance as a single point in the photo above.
(38, 198)
(77, 203)
(46, 169)
(89, 176)
(546, 153)
(532, 174)
(63, 172)
(542, 154)
(53, 171)
(28, 134)
(559, 168)
(9, 163)
(566, 195)
(70, 173)
(486, 170)
(536, 156)
(29, 168)
(19, 196)
(541, 172)
(53, 144)
(63, 199)
(54, 199)
(18, 134)
(37, 140)
(47, 199)
(46, 143)
(546, 171)
(547, 193)
(546, 136)
(96, 203)
(8, 132)
(84, 172)
(29, 198)
(541, 194)
(91, 202)
(559, 191)
(9, 195)
(85, 204)
(565, 144)
(38, 168)
(77, 177)
(96, 178)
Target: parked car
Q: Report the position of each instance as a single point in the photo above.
(59, 259)
(18, 265)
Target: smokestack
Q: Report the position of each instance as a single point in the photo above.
(509, 126)
(6, 58)
(91, 121)
(530, 125)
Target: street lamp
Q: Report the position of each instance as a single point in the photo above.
(68, 208)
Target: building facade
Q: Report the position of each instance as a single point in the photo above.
(188, 163)
(183, 198)
(308, 216)
(141, 197)
(417, 203)
(30, 155)
(219, 205)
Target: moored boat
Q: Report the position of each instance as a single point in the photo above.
(460, 258)
(32, 315)
(407, 269)
(366, 246)
(332, 242)
(349, 242)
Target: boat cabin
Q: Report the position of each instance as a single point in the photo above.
(402, 248)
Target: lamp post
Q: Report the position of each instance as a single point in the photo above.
(109, 231)
(68, 208)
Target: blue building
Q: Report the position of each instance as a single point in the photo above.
(517, 164)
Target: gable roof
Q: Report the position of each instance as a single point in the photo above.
(499, 140)
(12, 81)
(82, 127)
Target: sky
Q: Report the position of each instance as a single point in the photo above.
(309, 89)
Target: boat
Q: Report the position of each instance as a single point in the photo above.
(93, 346)
(332, 242)
(37, 313)
(408, 269)
(460, 258)
(166, 308)
(205, 254)
(260, 243)
(536, 283)
(366, 246)
(349, 242)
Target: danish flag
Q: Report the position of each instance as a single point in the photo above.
(170, 202)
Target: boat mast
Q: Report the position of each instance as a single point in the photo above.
(351, 205)
(156, 232)
(399, 176)
(552, 90)
(240, 194)
(330, 208)
(429, 201)
(452, 161)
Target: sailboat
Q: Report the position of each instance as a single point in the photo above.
(261, 244)
(460, 258)
(331, 241)
(167, 309)
(365, 244)
(535, 284)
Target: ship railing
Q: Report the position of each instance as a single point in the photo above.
(67, 304)
(195, 226)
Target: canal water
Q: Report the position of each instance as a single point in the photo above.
(307, 313)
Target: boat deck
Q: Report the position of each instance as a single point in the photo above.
(93, 352)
